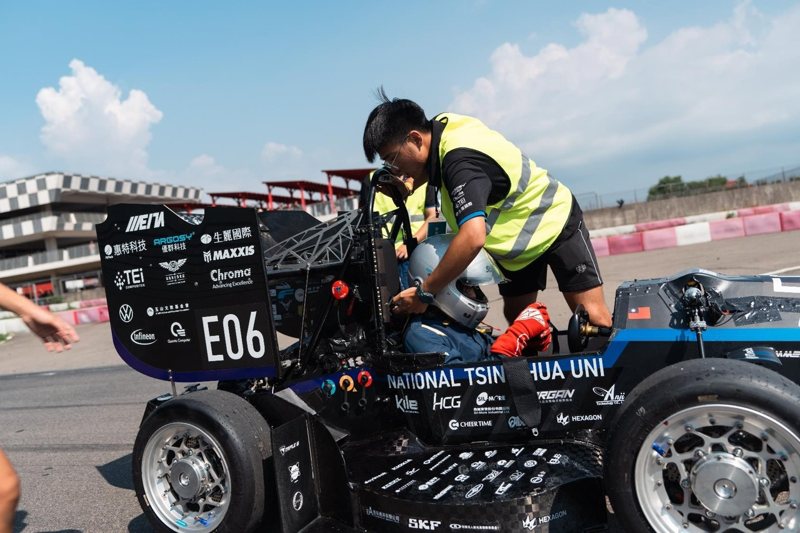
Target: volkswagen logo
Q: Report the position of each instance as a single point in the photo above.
(126, 313)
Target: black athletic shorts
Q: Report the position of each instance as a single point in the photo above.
(571, 258)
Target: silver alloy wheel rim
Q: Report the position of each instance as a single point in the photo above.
(186, 477)
(716, 459)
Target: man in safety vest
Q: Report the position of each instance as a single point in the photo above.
(498, 199)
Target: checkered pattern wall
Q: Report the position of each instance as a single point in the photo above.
(49, 188)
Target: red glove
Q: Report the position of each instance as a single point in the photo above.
(531, 326)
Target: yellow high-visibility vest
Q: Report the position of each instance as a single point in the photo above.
(524, 224)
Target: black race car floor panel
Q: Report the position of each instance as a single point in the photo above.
(550, 485)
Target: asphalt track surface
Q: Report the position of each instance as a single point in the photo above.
(68, 421)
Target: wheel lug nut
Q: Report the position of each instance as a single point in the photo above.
(750, 513)
(685, 483)
(738, 452)
(764, 481)
(688, 428)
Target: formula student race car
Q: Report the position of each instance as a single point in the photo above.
(685, 413)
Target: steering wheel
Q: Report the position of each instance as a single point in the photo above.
(577, 339)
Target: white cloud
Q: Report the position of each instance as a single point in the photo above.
(90, 126)
(275, 152)
(11, 168)
(616, 98)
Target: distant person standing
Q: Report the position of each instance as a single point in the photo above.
(57, 336)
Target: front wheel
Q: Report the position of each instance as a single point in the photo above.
(707, 445)
(198, 464)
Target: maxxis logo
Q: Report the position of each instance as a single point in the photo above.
(126, 313)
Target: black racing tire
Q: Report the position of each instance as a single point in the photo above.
(706, 445)
(199, 464)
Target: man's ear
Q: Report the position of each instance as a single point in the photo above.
(415, 136)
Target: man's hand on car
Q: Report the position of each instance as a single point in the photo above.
(407, 302)
(532, 327)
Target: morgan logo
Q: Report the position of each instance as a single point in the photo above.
(126, 313)
(143, 339)
(146, 221)
(427, 525)
(228, 253)
(609, 396)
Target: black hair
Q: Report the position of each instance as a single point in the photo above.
(390, 121)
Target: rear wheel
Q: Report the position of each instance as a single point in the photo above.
(198, 464)
(707, 445)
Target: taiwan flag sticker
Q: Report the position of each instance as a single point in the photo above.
(639, 313)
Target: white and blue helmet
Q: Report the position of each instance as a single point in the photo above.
(451, 300)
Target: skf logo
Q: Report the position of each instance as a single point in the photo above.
(529, 523)
(146, 221)
(427, 525)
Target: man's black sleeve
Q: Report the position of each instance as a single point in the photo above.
(473, 180)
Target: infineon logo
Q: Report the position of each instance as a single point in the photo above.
(142, 338)
(146, 221)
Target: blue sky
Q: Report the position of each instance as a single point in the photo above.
(608, 96)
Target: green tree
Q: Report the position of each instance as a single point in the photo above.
(666, 187)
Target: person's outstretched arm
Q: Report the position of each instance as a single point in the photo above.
(56, 334)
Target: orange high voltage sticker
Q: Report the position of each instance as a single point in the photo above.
(639, 313)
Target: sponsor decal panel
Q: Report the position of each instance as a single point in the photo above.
(132, 278)
(382, 515)
(457, 526)
(445, 402)
(143, 338)
(294, 472)
(532, 522)
(228, 278)
(125, 313)
(210, 256)
(297, 501)
(424, 524)
(788, 354)
(178, 334)
(227, 235)
(579, 367)
(145, 221)
(289, 447)
(175, 277)
(173, 243)
(609, 397)
(587, 418)
(126, 248)
(456, 425)
(404, 404)
(405, 485)
(158, 310)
